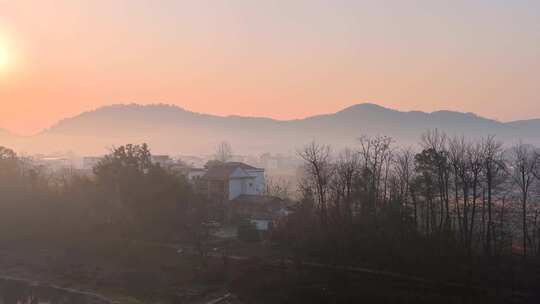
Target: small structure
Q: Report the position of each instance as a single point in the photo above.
(262, 210)
(195, 174)
(263, 222)
(162, 160)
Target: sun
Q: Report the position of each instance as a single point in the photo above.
(3, 58)
(5, 55)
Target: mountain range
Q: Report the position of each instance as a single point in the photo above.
(174, 130)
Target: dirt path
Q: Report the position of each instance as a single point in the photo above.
(220, 299)
(98, 299)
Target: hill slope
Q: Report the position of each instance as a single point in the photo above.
(171, 129)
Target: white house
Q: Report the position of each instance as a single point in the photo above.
(230, 180)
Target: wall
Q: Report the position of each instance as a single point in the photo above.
(259, 182)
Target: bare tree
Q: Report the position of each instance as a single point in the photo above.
(493, 166)
(456, 154)
(224, 152)
(404, 171)
(278, 187)
(474, 160)
(375, 153)
(347, 170)
(318, 170)
(524, 164)
(436, 141)
(466, 163)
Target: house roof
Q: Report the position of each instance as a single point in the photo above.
(224, 171)
(241, 165)
(256, 199)
(258, 206)
(262, 202)
(220, 172)
(197, 170)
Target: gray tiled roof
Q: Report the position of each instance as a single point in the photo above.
(225, 170)
(241, 165)
(219, 172)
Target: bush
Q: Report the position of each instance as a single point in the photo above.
(247, 232)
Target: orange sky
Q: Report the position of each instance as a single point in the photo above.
(282, 59)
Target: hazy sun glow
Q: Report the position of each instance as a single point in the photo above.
(5, 58)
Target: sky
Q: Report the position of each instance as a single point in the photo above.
(282, 59)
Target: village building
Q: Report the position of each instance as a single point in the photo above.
(195, 174)
(263, 211)
(162, 160)
(241, 190)
(54, 163)
(225, 182)
(89, 162)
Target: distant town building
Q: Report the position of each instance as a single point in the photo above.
(278, 162)
(194, 161)
(238, 158)
(195, 174)
(89, 162)
(53, 163)
(162, 160)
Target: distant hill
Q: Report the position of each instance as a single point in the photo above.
(4, 132)
(13, 141)
(173, 130)
(5, 136)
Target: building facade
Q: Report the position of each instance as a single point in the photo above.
(225, 182)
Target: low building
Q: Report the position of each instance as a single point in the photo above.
(262, 210)
(262, 222)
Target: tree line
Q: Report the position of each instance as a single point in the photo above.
(453, 196)
(127, 196)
